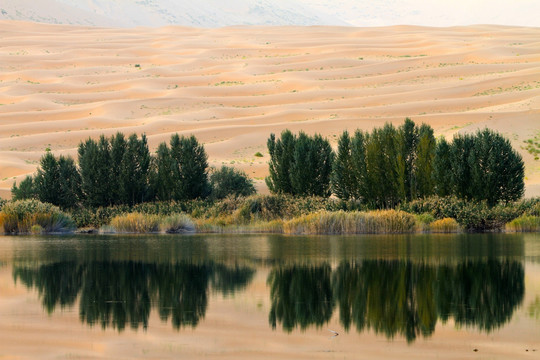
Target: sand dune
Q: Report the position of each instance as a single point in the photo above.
(232, 87)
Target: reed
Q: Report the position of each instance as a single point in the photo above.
(213, 226)
(135, 223)
(25, 216)
(177, 223)
(341, 222)
(524, 223)
(446, 225)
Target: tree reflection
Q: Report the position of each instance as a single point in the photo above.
(397, 297)
(301, 296)
(116, 294)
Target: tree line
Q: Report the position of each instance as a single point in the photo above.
(120, 170)
(392, 165)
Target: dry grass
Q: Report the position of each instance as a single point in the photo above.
(524, 223)
(135, 223)
(446, 225)
(341, 222)
(177, 223)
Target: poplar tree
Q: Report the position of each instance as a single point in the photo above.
(190, 168)
(423, 169)
(162, 174)
(442, 169)
(408, 133)
(344, 184)
(69, 183)
(281, 159)
(47, 180)
(134, 171)
(118, 149)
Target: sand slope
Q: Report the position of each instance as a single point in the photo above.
(232, 87)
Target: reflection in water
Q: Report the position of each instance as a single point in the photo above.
(397, 297)
(114, 294)
(301, 296)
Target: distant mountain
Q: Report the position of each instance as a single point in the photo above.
(218, 13)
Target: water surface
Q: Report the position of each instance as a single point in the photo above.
(268, 296)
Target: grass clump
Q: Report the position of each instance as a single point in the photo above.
(177, 223)
(135, 223)
(446, 225)
(25, 216)
(524, 223)
(341, 222)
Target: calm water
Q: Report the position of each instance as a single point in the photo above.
(206, 292)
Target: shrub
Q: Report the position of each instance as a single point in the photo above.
(135, 223)
(524, 223)
(177, 223)
(20, 216)
(446, 225)
(424, 220)
(228, 181)
(341, 222)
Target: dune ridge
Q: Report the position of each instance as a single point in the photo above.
(232, 87)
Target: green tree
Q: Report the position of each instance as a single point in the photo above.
(227, 181)
(497, 170)
(135, 166)
(162, 174)
(408, 133)
(359, 163)
(118, 149)
(460, 151)
(423, 169)
(442, 169)
(70, 183)
(344, 184)
(281, 158)
(385, 168)
(95, 168)
(312, 166)
(25, 190)
(190, 166)
(47, 180)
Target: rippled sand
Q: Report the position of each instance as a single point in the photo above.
(232, 87)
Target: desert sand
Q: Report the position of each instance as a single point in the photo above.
(232, 87)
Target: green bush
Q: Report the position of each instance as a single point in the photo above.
(20, 216)
(230, 182)
(471, 216)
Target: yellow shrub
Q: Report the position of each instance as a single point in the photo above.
(446, 225)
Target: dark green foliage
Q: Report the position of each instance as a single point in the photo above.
(95, 164)
(162, 174)
(118, 149)
(299, 165)
(361, 186)
(25, 190)
(442, 169)
(460, 152)
(471, 215)
(423, 169)
(70, 183)
(190, 166)
(134, 171)
(281, 158)
(343, 175)
(47, 180)
(408, 138)
(311, 167)
(228, 181)
(385, 168)
(497, 170)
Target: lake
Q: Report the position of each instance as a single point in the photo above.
(269, 296)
